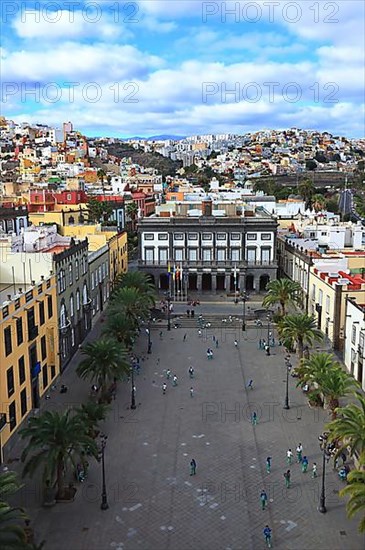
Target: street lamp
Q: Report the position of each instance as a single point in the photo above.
(268, 334)
(244, 299)
(288, 369)
(322, 499)
(133, 403)
(104, 501)
(148, 332)
(168, 311)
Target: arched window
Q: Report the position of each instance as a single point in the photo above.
(78, 300)
(72, 306)
(63, 316)
(70, 275)
(77, 270)
(84, 294)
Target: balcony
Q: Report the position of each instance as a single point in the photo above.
(32, 333)
(208, 263)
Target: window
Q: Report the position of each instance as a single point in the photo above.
(63, 316)
(99, 274)
(77, 270)
(178, 236)
(70, 275)
(23, 402)
(207, 236)
(221, 236)
(85, 297)
(12, 415)
(235, 236)
(312, 235)
(21, 370)
(7, 339)
(162, 236)
(71, 220)
(149, 254)
(320, 297)
(50, 307)
(324, 233)
(193, 254)
(221, 254)
(162, 255)
(43, 348)
(149, 236)
(93, 280)
(10, 381)
(41, 314)
(266, 236)
(235, 254)
(353, 334)
(265, 255)
(313, 292)
(45, 376)
(40, 289)
(327, 304)
(84, 265)
(31, 322)
(53, 371)
(361, 342)
(251, 254)
(78, 300)
(251, 236)
(19, 331)
(207, 255)
(193, 236)
(103, 270)
(179, 254)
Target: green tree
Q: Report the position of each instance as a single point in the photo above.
(12, 535)
(318, 202)
(119, 327)
(335, 384)
(105, 360)
(300, 329)
(355, 488)
(99, 210)
(306, 189)
(349, 426)
(101, 175)
(139, 281)
(91, 414)
(132, 303)
(283, 292)
(55, 440)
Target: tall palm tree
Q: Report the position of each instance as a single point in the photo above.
(140, 281)
(104, 360)
(132, 211)
(132, 303)
(316, 367)
(334, 384)
(55, 440)
(283, 292)
(300, 329)
(91, 414)
(318, 202)
(12, 535)
(349, 426)
(119, 327)
(306, 190)
(356, 489)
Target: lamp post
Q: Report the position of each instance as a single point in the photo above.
(322, 499)
(288, 368)
(244, 299)
(268, 335)
(148, 332)
(168, 311)
(104, 501)
(133, 403)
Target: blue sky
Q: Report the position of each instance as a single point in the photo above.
(185, 67)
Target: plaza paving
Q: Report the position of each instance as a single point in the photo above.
(154, 504)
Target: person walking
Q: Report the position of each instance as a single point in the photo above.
(289, 456)
(199, 332)
(164, 388)
(191, 392)
(299, 452)
(213, 338)
(267, 535)
(168, 374)
(192, 467)
(263, 498)
(250, 384)
(254, 418)
(304, 464)
(268, 464)
(174, 380)
(216, 343)
(235, 344)
(191, 372)
(314, 470)
(287, 476)
(259, 345)
(184, 339)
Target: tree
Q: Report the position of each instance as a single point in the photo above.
(139, 281)
(132, 303)
(91, 414)
(101, 175)
(119, 327)
(55, 440)
(283, 292)
(105, 360)
(99, 210)
(356, 489)
(306, 190)
(349, 426)
(12, 535)
(300, 329)
(334, 384)
(318, 202)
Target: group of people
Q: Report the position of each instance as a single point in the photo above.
(175, 380)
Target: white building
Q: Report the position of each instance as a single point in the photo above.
(354, 353)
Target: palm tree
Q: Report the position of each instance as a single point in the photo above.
(55, 440)
(104, 360)
(349, 426)
(132, 211)
(118, 326)
(306, 190)
(132, 303)
(314, 368)
(12, 535)
(91, 414)
(334, 384)
(283, 292)
(356, 489)
(140, 281)
(318, 202)
(101, 175)
(300, 329)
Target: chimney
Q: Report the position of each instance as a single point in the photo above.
(207, 206)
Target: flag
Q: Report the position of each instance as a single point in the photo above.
(174, 272)
(177, 272)
(168, 268)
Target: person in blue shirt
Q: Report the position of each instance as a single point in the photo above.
(267, 535)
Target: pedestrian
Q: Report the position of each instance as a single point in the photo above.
(211, 354)
(191, 392)
(164, 388)
(268, 464)
(188, 312)
(216, 343)
(260, 344)
(235, 344)
(254, 418)
(192, 467)
(343, 457)
(263, 343)
(168, 374)
(213, 338)
(208, 353)
(267, 535)
(160, 334)
(250, 384)
(304, 464)
(199, 332)
(191, 372)
(314, 470)
(287, 478)
(263, 498)
(184, 339)
(289, 456)
(267, 349)
(299, 452)
(174, 380)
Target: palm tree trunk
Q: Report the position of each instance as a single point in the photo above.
(59, 480)
(283, 308)
(300, 348)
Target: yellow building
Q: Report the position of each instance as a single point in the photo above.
(118, 256)
(29, 361)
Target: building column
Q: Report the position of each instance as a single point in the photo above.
(228, 282)
(256, 283)
(199, 282)
(214, 282)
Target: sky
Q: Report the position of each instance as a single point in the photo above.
(184, 67)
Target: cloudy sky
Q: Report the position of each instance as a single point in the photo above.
(184, 67)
